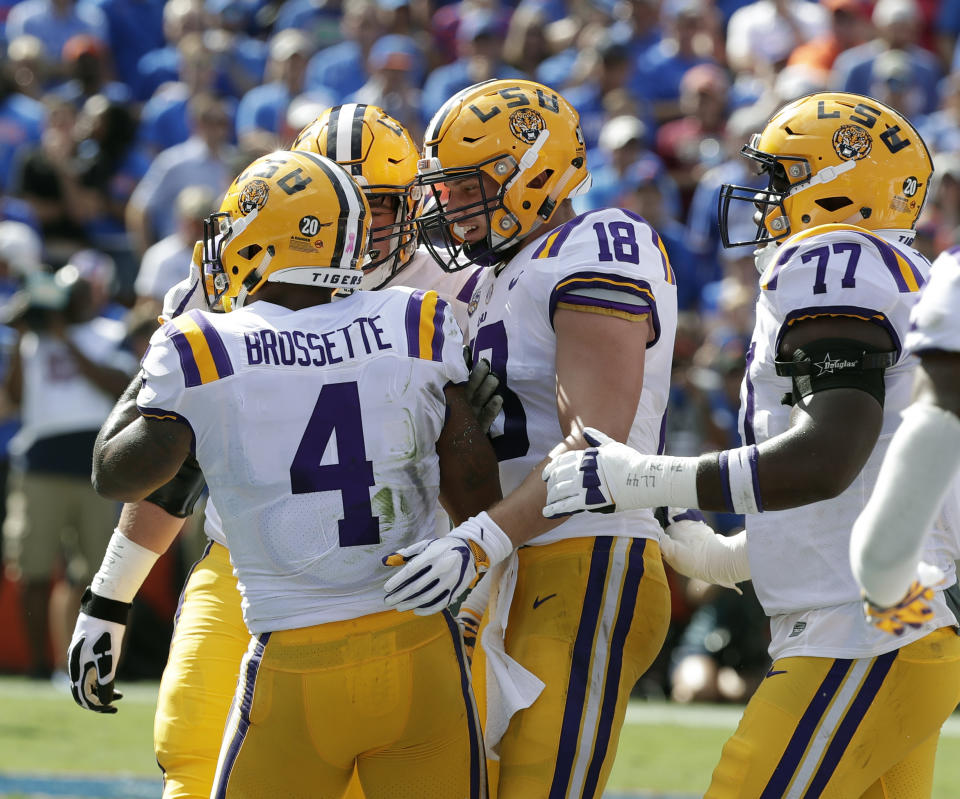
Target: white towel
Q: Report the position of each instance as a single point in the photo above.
(510, 687)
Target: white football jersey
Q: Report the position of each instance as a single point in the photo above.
(934, 324)
(799, 558)
(316, 431)
(610, 261)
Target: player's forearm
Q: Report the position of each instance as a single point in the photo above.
(916, 474)
(149, 525)
(520, 513)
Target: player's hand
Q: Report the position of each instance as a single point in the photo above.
(576, 480)
(911, 611)
(469, 623)
(94, 652)
(692, 548)
(188, 294)
(436, 572)
(481, 391)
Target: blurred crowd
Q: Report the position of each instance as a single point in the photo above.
(122, 122)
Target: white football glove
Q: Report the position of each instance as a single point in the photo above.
(95, 652)
(692, 547)
(437, 571)
(611, 476)
(481, 391)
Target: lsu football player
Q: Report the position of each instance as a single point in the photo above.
(577, 316)
(210, 638)
(917, 481)
(847, 710)
(261, 394)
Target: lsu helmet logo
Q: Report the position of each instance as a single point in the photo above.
(254, 196)
(852, 142)
(526, 124)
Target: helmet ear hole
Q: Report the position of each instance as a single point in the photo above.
(540, 180)
(249, 252)
(831, 204)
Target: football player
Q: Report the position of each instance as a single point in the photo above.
(278, 399)
(919, 470)
(210, 637)
(847, 710)
(577, 316)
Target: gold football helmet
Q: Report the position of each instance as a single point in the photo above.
(290, 217)
(833, 157)
(525, 137)
(381, 156)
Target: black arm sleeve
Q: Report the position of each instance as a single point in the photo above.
(836, 363)
(179, 496)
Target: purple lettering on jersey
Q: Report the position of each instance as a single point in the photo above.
(285, 348)
(254, 348)
(330, 346)
(269, 339)
(346, 336)
(298, 337)
(313, 342)
(378, 333)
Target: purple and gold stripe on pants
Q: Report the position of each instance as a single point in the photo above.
(827, 726)
(616, 569)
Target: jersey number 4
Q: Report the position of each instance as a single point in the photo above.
(338, 411)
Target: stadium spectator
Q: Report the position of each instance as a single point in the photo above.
(53, 22)
(47, 179)
(898, 28)
(342, 67)
(22, 119)
(479, 58)
(525, 45)
(205, 158)
(27, 65)
(67, 368)
(941, 129)
(162, 64)
(165, 263)
(88, 72)
(761, 35)
(165, 118)
(396, 69)
(849, 27)
(134, 28)
(261, 112)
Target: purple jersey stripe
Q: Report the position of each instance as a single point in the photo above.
(785, 256)
(851, 720)
(466, 292)
(806, 728)
(868, 314)
(186, 298)
(436, 343)
(564, 234)
(580, 667)
(188, 363)
(598, 302)
(412, 320)
(755, 475)
(249, 678)
(662, 442)
(193, 568)
(618, 640)
(655, 237)
(724, 460)
(889, 257)
(478, 763)
(749, 436)
(218, 350)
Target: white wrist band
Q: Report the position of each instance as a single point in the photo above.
(679, 482)
(487, 534)
(125, 566)
(739, 479)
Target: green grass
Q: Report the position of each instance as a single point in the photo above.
(663, 747)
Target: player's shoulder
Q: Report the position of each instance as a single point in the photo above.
(606, 240)
(835, 259)
(948, 262)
